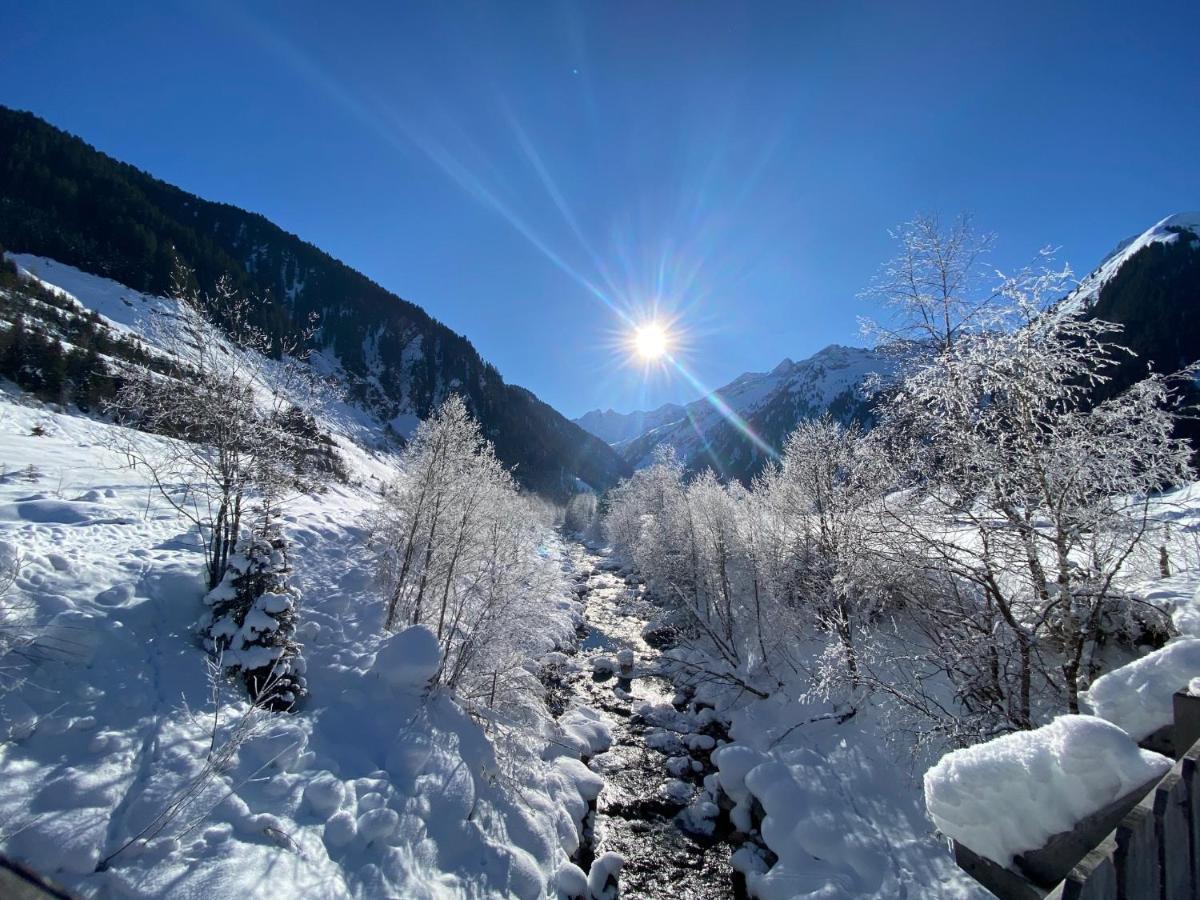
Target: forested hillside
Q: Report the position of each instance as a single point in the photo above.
(1151, 288)
(61, 198)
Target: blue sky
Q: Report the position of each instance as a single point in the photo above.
(522, 170)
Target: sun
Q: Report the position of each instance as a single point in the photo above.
(651, 341)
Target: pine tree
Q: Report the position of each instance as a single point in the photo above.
(254, 623)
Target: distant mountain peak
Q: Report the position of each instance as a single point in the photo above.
(615, 428)
(770, 402)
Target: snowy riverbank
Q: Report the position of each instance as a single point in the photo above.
(373, 788)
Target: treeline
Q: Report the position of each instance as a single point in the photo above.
(960, 563)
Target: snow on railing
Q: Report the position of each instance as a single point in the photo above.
(1126, 839)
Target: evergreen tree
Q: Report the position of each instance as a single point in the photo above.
(254, 622)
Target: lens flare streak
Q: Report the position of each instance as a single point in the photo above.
(724, 409)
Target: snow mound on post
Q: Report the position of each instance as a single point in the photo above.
(408, 660)
(1138, 697)
(1015, 792)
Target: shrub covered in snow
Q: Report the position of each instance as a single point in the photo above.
(1013, 793)
(254, 621)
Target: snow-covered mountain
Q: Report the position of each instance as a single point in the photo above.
(1181, 228)
(62, 200)
(613, 427)
(1150, 286)
(768, 404)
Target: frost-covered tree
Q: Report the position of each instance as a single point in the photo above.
(234, 400)
(651, 523)
(933, 290)
(1026, 495)
(689, 540)
(582, 515)
(643, 501)
(434, 513)
(826, 495)
(456, 549)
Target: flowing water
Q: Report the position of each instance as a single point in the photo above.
(633, 817)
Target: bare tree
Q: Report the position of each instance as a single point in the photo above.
(933, 289)
(235, 402)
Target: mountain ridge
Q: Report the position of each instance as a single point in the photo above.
(62, 199)
(768, 403)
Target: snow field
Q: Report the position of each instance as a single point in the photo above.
(372, 789)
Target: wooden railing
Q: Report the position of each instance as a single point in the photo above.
(1144, 846)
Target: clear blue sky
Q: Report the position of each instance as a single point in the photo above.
(742, 162)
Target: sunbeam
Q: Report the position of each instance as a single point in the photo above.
(714, 400)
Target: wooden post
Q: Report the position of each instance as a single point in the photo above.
(1137, 854)
(1171, 830)
(1095, 878)
(1186, 709)
(1191, 779)
(1003, 882)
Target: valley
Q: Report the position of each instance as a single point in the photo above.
(300, 597)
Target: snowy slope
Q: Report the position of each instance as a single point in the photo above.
(1167, 231)
(110, 724)
(106, 713)
(126, 311)
(769, 402)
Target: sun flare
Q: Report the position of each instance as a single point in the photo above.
(651, 341)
